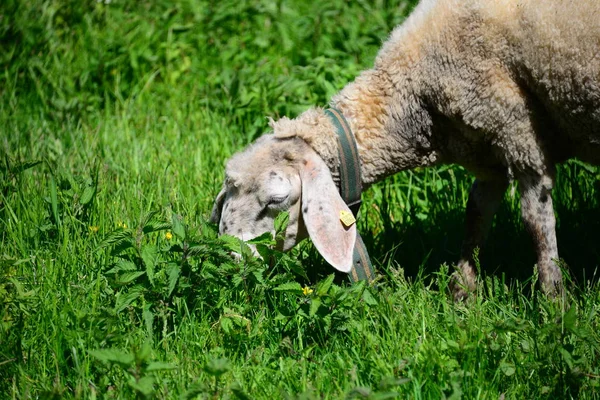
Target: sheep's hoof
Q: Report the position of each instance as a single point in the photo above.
(551, 280)
(554, 290)
(462, 287)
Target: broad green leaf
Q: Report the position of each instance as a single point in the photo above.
(144, 385)
(143, 353)
(122, 246)
(114, 238)
(315, 303)
(281, 222)
(159, 366)
(122, 265)
(368, 298)
(240, 394)
(226, 325)
(154, 226)
(265, 238)
(178, 227)
(566, 356)
(570, 319)
(87, 195)
(217, 367)
(265, 251)
(149, 216)
(294, 265)
(128, 277)
(149, 255)
(392, 381)
(507, 368)
(173, 272)
(323, 286)
(289, 287)
(194, 390)
(235, 244)
(150, 223)
(113, 356)
(125, 299)
(197, 249)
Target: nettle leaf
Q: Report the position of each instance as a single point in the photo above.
(368, 298)
(264, 239)
(315, 303)
(197, 249)
(154, 226)
(294, 265)
(194, 390)
(209, 269)
(226, 325)
(125, 299)
(323, 287)
(144, 385)
(113, 356)
(149, 255)
(150, 223)
(115, 238)
(281, 222)
(566, 356)
(570, 319)
(87, 195)
(289, 287)
(159, 366)
(240, 394)
(149, 216)
(128, 277)
(122, 265)
(265, 251)
(173, 272)
(178, 227)
(143, 353)
(122, 246)
(507, 368)
(217, 367)
(235, 244)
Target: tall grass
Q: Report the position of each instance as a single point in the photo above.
(115, 122)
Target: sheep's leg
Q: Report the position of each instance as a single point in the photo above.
(538, 215)
(484, 198)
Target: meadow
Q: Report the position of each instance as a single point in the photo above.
(116, 118)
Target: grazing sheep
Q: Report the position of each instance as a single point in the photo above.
(505, 88)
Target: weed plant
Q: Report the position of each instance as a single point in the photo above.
(115, 121)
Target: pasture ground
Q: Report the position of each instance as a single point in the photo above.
(115, 121)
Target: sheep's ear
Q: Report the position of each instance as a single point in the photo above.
(215, 215)
(321, 209)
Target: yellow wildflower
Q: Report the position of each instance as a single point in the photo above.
(94, 228)
(168, 235)
(306, 290)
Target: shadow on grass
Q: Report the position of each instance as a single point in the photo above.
(421, 246)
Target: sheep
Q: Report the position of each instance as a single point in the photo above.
(505, 88)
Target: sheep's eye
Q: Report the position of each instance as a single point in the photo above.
(277, 200)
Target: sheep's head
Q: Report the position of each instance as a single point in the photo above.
(274, 175)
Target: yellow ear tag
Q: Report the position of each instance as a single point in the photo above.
(347, 218)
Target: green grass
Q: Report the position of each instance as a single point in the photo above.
(115, 123)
